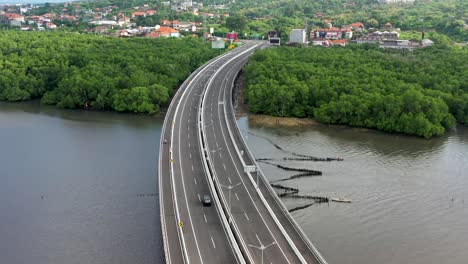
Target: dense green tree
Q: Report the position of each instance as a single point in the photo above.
(85, 71)
(423, 92)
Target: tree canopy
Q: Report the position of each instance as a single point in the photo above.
(421, 92)
(75, 71)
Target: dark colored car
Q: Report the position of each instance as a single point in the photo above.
(206, 200)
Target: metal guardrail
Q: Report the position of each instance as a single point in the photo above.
(213, 190)
(304, 237)
(232, 224)
(179, 93)
(262, 198)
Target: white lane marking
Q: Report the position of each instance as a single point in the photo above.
(188, 134)
(199, 199)
(248, 193)
(190, 155)
(260, 242)
(224, 166)
(212, 241)
(189, 145)
(220, 155)
(204, 216)
(195, 180)
(229, 179)
(217, 144)
(237, 196)
(180, 234)
(192, 167)
(246, 216)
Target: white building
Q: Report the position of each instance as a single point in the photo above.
(298, 36)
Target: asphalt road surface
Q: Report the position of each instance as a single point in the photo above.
(196, 231)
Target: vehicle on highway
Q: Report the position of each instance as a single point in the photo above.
(206, 201)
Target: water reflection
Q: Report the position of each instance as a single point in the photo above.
(410, 195)
(98, 117)
(71, 184)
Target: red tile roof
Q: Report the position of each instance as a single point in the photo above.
(166, 30)
(339, 41)
(13, 16)
(154, 34)
(357, 24)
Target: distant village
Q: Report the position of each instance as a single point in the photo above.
(385, 37)
(112, 21)
(107, 20)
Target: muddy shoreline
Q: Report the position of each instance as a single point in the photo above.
(242, 109)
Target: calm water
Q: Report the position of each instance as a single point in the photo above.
(410, 195)
(81, 187)
(71, 186)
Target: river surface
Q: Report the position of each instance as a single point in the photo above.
(81, 187)
(410, 195)
(78, 187)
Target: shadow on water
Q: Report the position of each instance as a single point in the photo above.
(376, 141)
(81, 115)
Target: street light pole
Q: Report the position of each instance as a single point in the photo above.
(262, 247)
(230, 187)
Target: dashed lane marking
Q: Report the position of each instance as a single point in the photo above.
(212, 241)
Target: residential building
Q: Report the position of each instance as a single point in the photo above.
(12, 19)
(51, 25)
(137, 14)
(151, 12)
(175, 24)
(167, 32)
(332, 33)
(298, 36)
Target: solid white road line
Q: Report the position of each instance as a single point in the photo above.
(260, 242)
(244, 185)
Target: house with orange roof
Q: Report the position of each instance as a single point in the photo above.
(357, 25)
(12, 19)
(166, 22)
(175, 24)
(49, 15)
(137, 14)
(153, 34)
(51, 25)
(150, 12)
(339, 42)
(167, 32)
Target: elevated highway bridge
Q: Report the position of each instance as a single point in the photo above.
(203, 152)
